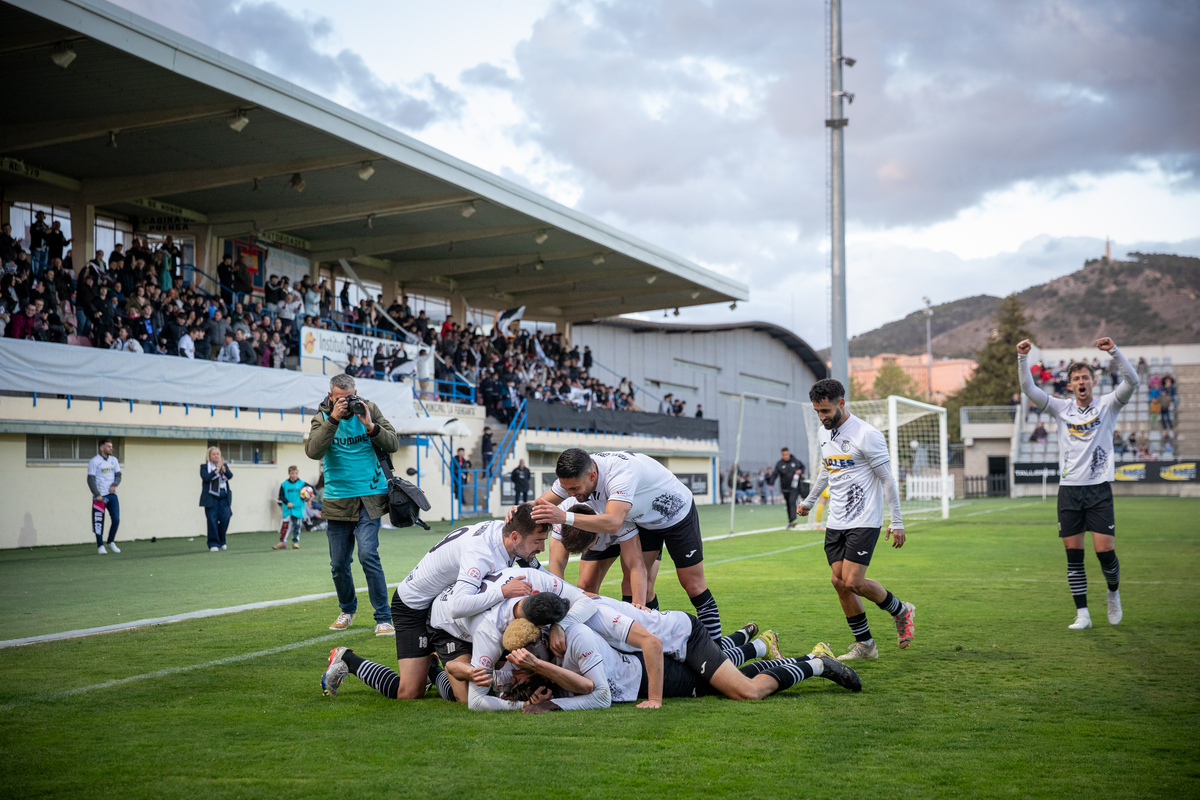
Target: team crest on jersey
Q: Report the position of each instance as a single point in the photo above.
(845, 446)
(667, 504)
(838, 463)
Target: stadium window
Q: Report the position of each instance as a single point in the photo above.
(23, 215)
(237, 452)
(436, 308)
(764, 385)
(108, 232)
(67, 449)
(356, 294)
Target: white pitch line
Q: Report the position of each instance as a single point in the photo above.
(142, 623)
(176, 670)
(735, 558)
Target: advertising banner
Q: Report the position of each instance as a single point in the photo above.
(335, 345)
(1130, 472)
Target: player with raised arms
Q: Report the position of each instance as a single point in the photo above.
(1085, 468)
(632, 487)
(856, 467)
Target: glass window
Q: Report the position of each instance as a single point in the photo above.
(246, 452)
(40, 447)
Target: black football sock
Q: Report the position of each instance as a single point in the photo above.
(626, 598)
(380, 678)
(891, 604)
(439, 678)
(1076, 577)
(859, 627)
(707, 613)
(652, 603)
(1112, 569)
(788, 671)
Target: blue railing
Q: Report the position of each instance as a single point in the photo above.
(448, 391)
(472, 488)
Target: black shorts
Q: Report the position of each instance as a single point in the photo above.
(851, 544)
(412, 629)
(446, 646)
(1086, 508)
(679, 680)
(612, 551)
(703, 656)
(682, 540)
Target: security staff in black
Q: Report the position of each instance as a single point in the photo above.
(789, 471)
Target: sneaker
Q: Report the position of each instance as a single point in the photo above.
(211, 549)
(224, 547)
(335, 673)
(861, 650)
(113, 547)
(1114, 607)
(904, 625)
(791, 526)
(749, 630)
(821, 649)
(1083, 620)
(295, 545)
(771, 640)
(840, 674)
(342, 622)
(279, 546)
(385, 629)
(100, 551)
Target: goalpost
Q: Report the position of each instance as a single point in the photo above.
(917, 443)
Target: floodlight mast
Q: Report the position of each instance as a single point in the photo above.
(839, 346)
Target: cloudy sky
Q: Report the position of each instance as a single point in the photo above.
(991, 145)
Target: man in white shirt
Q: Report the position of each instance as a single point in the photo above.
(633, 487)
(1085, 462)
(187, 342)
(103, 478)
(856, 467)
(461, 560)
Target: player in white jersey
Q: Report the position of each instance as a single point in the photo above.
(856, 467)
(594, 674)
(453, 638)
(632, 487)
(1085, 468)
(461, 559)
(103, 477)
(598, 554)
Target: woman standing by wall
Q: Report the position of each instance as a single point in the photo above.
(216, 498)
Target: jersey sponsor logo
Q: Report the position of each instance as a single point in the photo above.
(689, 555)
(1179, 472)
(862, 552)
(668, 505)
(617, 620)
(347, 440)
(838, 463)
(1130, 472)
(702, 667)
(474, 573)
(1082, 430)
(621, 456)
(586, 655)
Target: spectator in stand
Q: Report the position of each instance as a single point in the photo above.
(225, 278)
(521, 480)
(246, 354)
(289, 308)
(1143, 441)
(679, 404)
(424, 370)
(666, 405)
(312, 302)
(1143, 371)
(1154, 395)
(1039, 434)
(1015, 400)
(8, 245)
(187, 342)
(273, 293)
(230, 352)
(125, 342)
(1168, 399)
(55, 241)
(1168, 446)
(486, 447)
(699, 411)
(1118, 443)
(21, 326)
(278, 351)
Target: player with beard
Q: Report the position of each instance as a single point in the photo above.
(855, 465)
(1085, 468)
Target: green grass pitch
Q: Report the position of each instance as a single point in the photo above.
(995, 698)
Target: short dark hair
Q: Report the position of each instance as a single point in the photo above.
(544, 608)
(826, 389)
(522, 521)
(573, 463)
(785, 449)
(525, 690)
(1077, 366)
(577, 540)
(103, 440)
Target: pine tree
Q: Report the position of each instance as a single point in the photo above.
(995, 379)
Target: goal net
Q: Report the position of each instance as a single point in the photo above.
(917, 442)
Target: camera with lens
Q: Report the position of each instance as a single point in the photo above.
(356, 405)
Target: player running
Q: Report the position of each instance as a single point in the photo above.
(633, 487)
(1085, 468)
(461, 559)
(855, 465)
(103, 478)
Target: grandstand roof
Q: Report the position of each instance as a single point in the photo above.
(793, 342)
(168, 101)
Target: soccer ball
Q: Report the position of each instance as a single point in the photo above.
(306, 493)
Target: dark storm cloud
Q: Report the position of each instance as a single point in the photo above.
(953, 100)
(272, 38)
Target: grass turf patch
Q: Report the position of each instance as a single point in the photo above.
(994, 698)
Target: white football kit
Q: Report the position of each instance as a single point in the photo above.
(603, 540)
(1085, 455)
(461, 559)
(855, 464)
(614, 618)
(104, 470)
(657, 498)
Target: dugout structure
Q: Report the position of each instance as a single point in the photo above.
(917, 444)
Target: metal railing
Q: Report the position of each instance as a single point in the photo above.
(634, 387)
(988, 415)
(472, 488)
(447, 391)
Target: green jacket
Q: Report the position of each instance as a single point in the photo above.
(320, 435)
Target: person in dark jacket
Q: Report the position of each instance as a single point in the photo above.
(487, 447)
(521, 479)
(215, 498)
(789, 471)
(245, 349)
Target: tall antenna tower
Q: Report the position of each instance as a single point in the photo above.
(839, 345)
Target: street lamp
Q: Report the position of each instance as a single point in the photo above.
(929, 346)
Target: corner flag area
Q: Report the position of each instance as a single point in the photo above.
(995, 697)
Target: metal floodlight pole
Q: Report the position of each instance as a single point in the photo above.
(929, 346)
(839, 347)
(737, 454)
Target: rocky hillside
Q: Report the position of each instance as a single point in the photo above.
(1153, 299)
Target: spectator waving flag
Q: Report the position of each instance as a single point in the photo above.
(507, 317)
(549, 362)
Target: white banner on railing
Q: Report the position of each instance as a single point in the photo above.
(335, 345)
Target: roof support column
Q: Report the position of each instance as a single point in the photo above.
(458, 308)
(83, 233)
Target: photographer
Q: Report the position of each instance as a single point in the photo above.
(346, 435)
